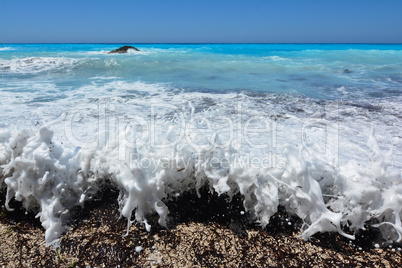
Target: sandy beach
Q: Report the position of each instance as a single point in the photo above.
(197, 237)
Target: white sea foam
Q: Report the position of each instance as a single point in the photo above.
(102, 52)
(140, 52)
(152, 156)
(6, 48)
(36, 64)
(129, 52)
(277, 58)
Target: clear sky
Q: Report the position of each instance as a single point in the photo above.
(206, 21)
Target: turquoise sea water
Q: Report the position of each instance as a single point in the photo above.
(308, 115)
(38, 82)
(314, 70)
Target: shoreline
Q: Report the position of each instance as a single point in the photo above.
(97, 237)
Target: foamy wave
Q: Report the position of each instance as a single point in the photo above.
(6, 48)
(277, 58)
(50, 179)
(141, 52)
(120, 88)
(129, 52)
(36, 64)
(102, 52)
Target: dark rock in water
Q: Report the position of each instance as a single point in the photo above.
(346, 71)
(124, 49)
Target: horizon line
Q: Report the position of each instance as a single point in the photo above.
(195, 43)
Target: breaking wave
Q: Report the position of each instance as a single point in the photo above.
(36, 64)
(344, 197)
(6, 48)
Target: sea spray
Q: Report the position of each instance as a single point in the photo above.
(44, 177)
(31, 65)
(51, 181)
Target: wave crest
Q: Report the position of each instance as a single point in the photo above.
(49, 179)
(6, 48)
(36, 64)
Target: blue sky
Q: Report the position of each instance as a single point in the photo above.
(207, 21)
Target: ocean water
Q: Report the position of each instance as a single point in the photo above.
(315, 128)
